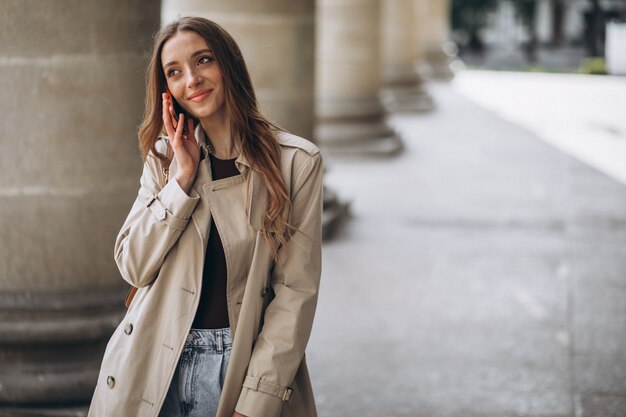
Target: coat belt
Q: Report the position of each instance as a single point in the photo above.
(257, 384)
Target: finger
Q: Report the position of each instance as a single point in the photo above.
(178, 139)
(173, 114)
(167, 121)
(180, 127)
(190, 130)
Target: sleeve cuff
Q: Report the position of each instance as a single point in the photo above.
(176, 202)
(258, 404)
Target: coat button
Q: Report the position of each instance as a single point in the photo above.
(110, 381)
(129, 328)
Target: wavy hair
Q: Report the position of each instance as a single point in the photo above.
(253, 131)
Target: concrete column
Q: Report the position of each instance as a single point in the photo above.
(72, 96)
(434, 19)
(351, 116)
(277, 39)
(404, 88)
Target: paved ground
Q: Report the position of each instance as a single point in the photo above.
(483, 274)
(582, 115)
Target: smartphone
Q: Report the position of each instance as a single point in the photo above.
(178, 110)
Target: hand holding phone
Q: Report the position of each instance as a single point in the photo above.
(180, 129)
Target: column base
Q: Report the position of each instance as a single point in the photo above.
(407, 99)
(52, 345)
(438, 63)
(404, 90)
(80, 411)
(372, 138)
(355, 126)
(353, 137)
(335, 212)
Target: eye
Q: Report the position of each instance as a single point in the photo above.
(171, 72)
(206, 59)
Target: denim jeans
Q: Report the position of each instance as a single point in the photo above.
(199, 377)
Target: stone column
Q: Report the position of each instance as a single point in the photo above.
(72, 96)
(434, 19)
(277, 39)
(404, 88)
(351, 116)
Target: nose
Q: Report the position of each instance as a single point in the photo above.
(193, 78)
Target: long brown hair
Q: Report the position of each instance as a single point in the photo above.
(253, 131)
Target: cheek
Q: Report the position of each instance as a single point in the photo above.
(216, 76)
(179, 99)
(175, 88)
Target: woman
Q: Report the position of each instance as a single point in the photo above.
(223, 246)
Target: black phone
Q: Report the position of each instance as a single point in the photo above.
(178, 110)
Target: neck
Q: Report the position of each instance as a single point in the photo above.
(217, 130)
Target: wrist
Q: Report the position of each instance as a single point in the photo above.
(184, 181)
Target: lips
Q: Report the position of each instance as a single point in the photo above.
(200, 95)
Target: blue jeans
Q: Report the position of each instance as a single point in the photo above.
(199, 377)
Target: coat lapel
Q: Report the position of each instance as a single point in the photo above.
(255, 189)
(201, 215)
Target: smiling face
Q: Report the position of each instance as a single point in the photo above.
(193, 76)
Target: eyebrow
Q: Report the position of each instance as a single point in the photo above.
(201, 51)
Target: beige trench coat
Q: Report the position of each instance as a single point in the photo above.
(160, 249)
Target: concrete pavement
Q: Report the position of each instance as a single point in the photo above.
(483, 274)
(581, 115)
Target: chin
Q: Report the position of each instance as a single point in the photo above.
(208, 113)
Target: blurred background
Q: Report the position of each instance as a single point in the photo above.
(474, 211)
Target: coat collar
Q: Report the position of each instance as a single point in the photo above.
(241, 160)
(256, 191)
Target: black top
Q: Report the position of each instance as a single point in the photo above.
(212, 311)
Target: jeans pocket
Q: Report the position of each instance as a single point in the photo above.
(186, 366)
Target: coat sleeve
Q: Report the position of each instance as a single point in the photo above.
(155, 222)
(288, 319)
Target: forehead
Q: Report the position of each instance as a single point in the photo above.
(180, 46)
